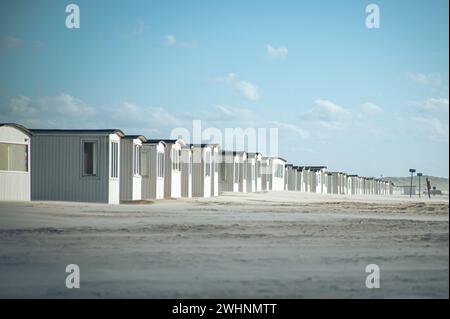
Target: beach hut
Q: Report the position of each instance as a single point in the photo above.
(172, 165)
(186, 171)
(258, 172)
(242, 156)
(318, 184)
(215, 150)
(201, 170)
(265, 174)
(352, 182)
(152, 169)
(291, 177)
(307, 179)
(251, 172)
(130, 167)
(276, 173)
(329, 182)
(336, 182)
(76, 165)
(298, 178)
(15, 183)
(343, 183)
(229, 172)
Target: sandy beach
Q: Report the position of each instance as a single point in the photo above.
(265, 245)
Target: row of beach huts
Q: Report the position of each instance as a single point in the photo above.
(108, 166)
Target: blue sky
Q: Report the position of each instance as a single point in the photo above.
(367, 101)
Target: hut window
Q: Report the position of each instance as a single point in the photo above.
(89, 158)
(13, 157)
(136, 160)
(236, 172)
(175, 160)
(208, 164)
(114, 160)
(279, 171)
(160, 164)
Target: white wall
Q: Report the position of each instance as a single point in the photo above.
(15, 185)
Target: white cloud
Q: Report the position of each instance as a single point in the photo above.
(434, 127)
(435, 104)
(248, 90)
(234, 114)
(170, 40)
(293, 128)
(371, 108)
(229, 78)
(276, 52)
(433, 80)
(10, 42)
(330, 109)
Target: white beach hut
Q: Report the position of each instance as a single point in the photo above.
(318, 183)
(329, 182)
(306, 174)
(130, 167)
(298, 179)
(152, 169)
(258, 172)
(352, 184)
(172, 174)
(186, 171)
(242, 156)
(15, 183)
(343, 183)
(76, 165)
(265, 174)
(215, 157)
(228, 172)
(251, 172)
(276, 173)
(291, 177)
(201, 170)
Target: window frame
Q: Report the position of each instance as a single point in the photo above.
(25, 154)
(95, 160)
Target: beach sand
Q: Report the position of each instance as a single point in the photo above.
(264, 245)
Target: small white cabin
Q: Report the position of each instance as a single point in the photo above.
(130, 167)
(298, 178)
(242, 156)
(258, 172)
(251, 172)
(172, 174)
(291, 178)
(201, 170)
(15, 181)
(152, 169)
(215, 149)
(186, 171)
(265, 174)
(276, 173)
(229, 172)
(76, 165)
(343, 183)
(318, 182)
(352, 185)
(306, 177)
